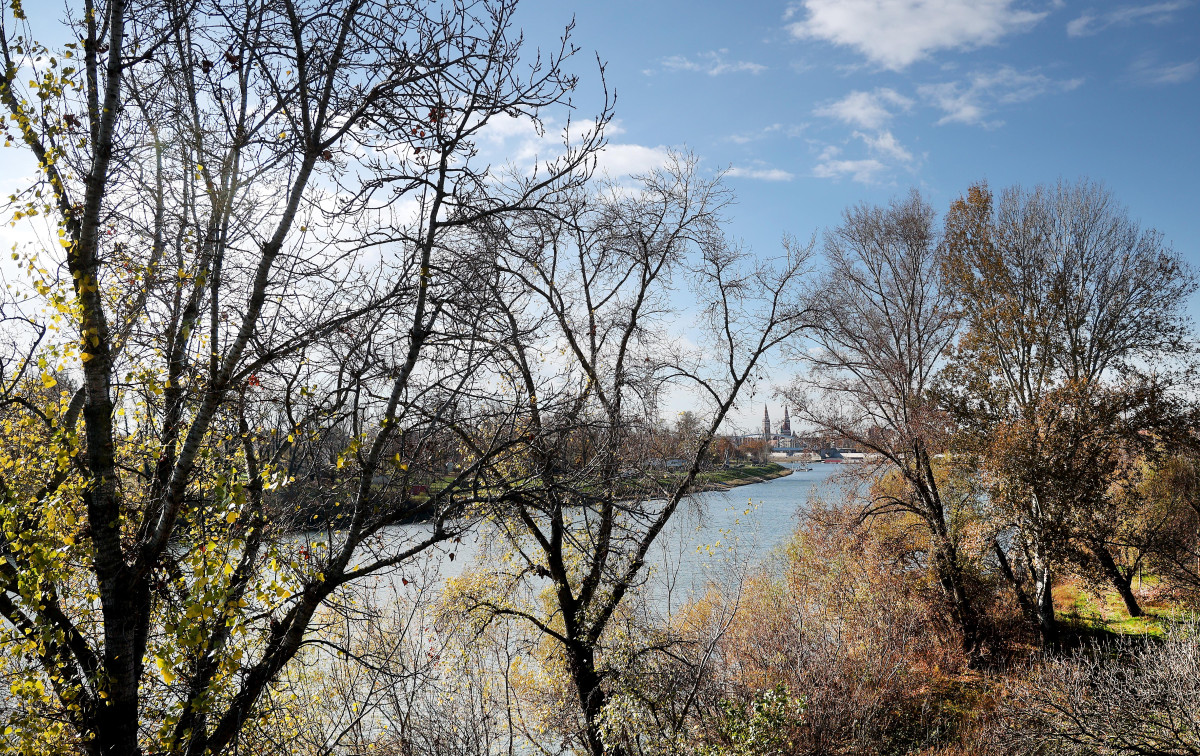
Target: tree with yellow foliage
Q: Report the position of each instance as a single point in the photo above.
(254, 278)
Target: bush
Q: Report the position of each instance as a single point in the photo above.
(1131, 696)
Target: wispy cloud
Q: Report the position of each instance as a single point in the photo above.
(831, 166)
(1090, 22)
(760, 172)
(883, 143)
(747, 137)
(897, 33)
(1147, 70)
(713, 63)
(972, 100)
(868, 110)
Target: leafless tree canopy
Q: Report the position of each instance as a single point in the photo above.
(885, 323)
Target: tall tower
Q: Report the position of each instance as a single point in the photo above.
(766, 424)
(786, 428)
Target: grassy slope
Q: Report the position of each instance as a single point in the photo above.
(734, 476)
(1091, 613)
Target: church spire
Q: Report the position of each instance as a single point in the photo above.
(786, 427)
(766, 424)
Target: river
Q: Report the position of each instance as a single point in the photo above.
(712, 534)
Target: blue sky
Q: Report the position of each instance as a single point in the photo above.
(814, 105)
(819, 104)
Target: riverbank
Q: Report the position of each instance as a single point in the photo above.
(731, 477)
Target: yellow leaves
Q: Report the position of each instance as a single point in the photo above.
(231, 517)
(48, 380)
(164, 668)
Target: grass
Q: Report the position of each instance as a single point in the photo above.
(735, 474)
(1092, 611)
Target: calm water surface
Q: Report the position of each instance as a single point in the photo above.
(714, 534)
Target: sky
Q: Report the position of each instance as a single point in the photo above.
(813, 106)
(817, 105)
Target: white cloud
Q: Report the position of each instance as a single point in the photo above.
(883, 143)
(862, 171)
(516, 141)
(712, 63)
(760, 172)
(960, 105)
(970, 102)
(1090, 23)
(869, 110)
(897, 33)
(618, 160)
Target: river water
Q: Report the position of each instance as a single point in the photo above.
(713, 534)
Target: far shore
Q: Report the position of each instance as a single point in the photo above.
(725, 479)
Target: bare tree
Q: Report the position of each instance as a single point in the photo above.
(259, 210)
(585, 501)
(883, 328)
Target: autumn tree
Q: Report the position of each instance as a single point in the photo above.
(1074, 328)
(1169, 521)
(256, 275)
(885, 324)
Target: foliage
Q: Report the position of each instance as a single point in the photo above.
(262, 302)
(1067, 303)
(761, 727)
(887, 322)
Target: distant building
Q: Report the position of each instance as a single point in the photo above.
(783, 438)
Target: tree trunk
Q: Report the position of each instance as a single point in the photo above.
(591, 696)
(1043, 598)
(1123, 583)
(125, 625)
(950, 576)
(1006, 569)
